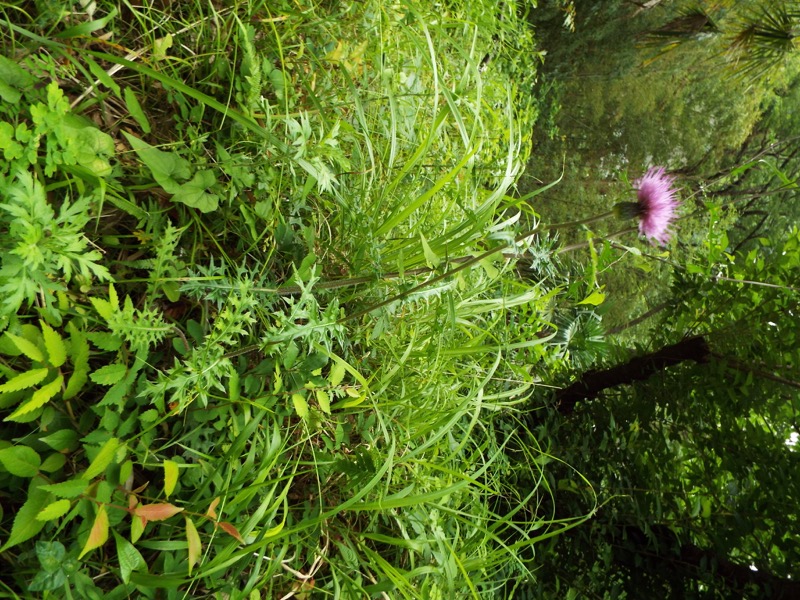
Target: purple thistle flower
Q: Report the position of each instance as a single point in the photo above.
(655, 207)
(657, 204)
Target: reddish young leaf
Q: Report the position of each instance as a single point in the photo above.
(232, 531)
(141, 488)
(212, 509)
(155, 512)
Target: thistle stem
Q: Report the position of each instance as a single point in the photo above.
(463, 261)
(587, 221)
(467, 262)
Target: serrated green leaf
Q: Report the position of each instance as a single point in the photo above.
(20, 461)
(149, 416)
(29, 417)
(290, 354)
(125, 471)
(130, 559)
(72, 488)
(110, 374)
(103, 459)
(53, 511)
(103, 308)
(79, 356)
(54, 344)
(25, 380)
(7, 347)
(28, 348)
(9, 399)
(337, 373)
(113, 299)
(98, 534)
(25, 524)
(104, 340)
(324, 401)
(300, 406)
(61, 440)
(170, 477)
(115, 394)
(39, 398)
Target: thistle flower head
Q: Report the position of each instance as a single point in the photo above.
(656, 204)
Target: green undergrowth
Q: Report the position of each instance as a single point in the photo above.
(197, 398)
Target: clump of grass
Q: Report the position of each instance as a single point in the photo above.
(231, 439)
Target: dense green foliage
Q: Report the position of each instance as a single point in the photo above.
(285, 310)
(197, 397)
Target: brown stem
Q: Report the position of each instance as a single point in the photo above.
(592, 383)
